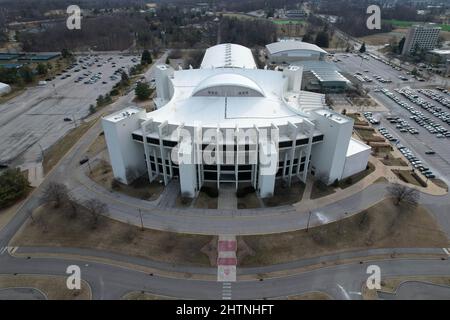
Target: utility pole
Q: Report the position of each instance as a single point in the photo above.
(42, 151)
(309, 218)
(142, 221)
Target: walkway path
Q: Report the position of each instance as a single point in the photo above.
(227, 198)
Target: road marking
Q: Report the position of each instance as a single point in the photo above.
(13, 250)
(447, 251)
(226, 291)
(10, 250)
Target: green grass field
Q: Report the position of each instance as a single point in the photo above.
(283, 21)
(406, 24)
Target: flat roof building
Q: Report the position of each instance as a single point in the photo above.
(231, 123)
(421, 37)
(287, 51)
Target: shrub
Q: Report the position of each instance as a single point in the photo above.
(210, 191)
(115, 184)
(242, 192)
(13, 186)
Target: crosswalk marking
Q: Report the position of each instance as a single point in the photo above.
(447, 251)
(226, 291)
(10, 250)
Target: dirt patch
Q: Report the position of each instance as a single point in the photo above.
(210, 249)
(347, 182)
(141, 295)
(391, 285)
(97, 146)
(52, 227)
(249, 201)
(284, 195)
(315, 295)
(53, 287)
(407, 176)
(382, 226)
(141, 188)
(319, 190)
(203, 201)
(391, 161)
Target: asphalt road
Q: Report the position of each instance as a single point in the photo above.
(111, 282)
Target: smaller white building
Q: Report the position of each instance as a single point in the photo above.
(4, 89)
(356, 158)
(291, 50)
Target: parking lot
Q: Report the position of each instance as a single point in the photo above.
(372, 71)
(418, 127)
(36, 119)
(418, 118)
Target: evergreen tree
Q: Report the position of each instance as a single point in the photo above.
(363, 48)
(146, 57)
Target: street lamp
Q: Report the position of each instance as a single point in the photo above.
(42, 151)
(309, 218)
(142, 221)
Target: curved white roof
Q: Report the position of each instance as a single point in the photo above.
(290, 45)
(228, 56)
(222, 80)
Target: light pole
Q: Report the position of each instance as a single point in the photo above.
(42, 151)
(309, 218)
(142, 221)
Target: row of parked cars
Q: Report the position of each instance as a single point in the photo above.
(409, 155)
(385, 133)
(415, 162)
(370, 118)
(431, 108)
(436, 97)
(419, 117)
(402, 125)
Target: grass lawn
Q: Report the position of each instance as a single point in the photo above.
(57, 151)
(320, 190)
(406, 176)
(203, 201)
(287, 21)
(54, 287)
(141, 295)
(392, 161)
(52, 227)
(384, 225)
(250, 201)
(391, 285)
(284, 195)
(406, 24)
(314, 295)
(141, 188)
(347, 182)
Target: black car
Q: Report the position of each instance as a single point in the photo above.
(83, 161)
(430, 152)
(67, 119)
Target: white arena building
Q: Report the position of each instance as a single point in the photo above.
(288, 51)
(232, 123)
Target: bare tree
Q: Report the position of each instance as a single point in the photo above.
(72, 208)
(56, 193)
(402, 193)
(95, 208)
